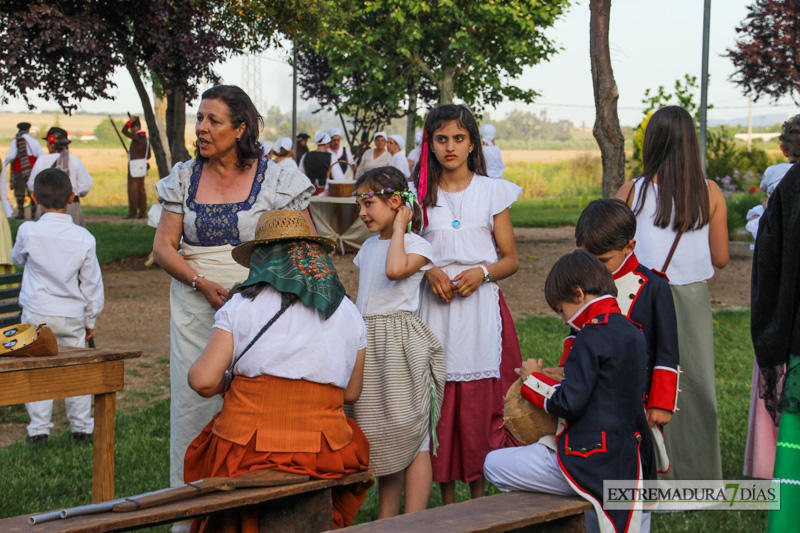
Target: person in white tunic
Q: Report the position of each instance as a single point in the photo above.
(413, 155)
(59, 157)
(212, 203)
(283, 154)
(374, 157)
(340, 151)
(395, 146)
(494, 161)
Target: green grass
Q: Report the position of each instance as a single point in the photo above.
(548, 212)
(59, 475)
(115, 242)
(575, 177)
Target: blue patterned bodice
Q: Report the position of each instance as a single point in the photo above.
(218, 224)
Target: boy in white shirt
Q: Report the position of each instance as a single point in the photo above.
(62, 286)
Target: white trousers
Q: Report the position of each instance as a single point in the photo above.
(535, 468)
(69, 332)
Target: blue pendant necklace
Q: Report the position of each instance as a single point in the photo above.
(456, 215)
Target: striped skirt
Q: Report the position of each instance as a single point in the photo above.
(404, 377)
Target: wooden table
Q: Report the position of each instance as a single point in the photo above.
(74, 372)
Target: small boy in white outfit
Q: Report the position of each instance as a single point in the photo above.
(62, 287)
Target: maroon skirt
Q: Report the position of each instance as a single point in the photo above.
(471, 423)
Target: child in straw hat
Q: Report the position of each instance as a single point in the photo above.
(289, 386)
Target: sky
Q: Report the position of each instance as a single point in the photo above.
(653, 42)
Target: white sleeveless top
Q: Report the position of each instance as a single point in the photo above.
(692, 259)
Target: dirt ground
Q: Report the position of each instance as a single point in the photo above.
(136, 314)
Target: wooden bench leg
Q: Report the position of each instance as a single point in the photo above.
(105, 406)
(567, 524)
(304, 513)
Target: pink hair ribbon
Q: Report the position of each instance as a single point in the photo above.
(422, 190)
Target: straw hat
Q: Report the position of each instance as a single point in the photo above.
(279, 226)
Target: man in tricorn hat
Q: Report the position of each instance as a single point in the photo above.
(22, 155)
(139, 151)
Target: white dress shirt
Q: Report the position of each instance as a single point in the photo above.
(78, 175)
(34, 149)
(62, 276)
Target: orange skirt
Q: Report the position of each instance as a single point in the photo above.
(211, 456)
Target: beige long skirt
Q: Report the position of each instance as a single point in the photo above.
(692, 436)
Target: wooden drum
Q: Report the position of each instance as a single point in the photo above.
(526, 422)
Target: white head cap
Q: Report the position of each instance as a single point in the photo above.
(320, 137)
(335, 131)
(284, 143)
(488, 132)
(399, 140)
(379, 134)
(418, 138)
(266, 146)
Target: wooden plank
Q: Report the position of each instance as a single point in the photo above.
(10, 279)
(105, 406)
(9, 307)
(66, 357)
(173, 512)
(492, 514)
(8, 294)
(311, 512)
(49, 383)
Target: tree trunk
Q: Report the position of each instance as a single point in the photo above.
(606, 126)
(176, 127)
(160, 108)
(411, 118)
(150, 119)
(447, 86)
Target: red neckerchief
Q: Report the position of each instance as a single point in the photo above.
(599, 306)
(629, 264)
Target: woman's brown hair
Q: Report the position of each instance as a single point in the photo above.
(671, 154)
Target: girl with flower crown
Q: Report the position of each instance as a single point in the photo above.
(467, 221)
(404, 370)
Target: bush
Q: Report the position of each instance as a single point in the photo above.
(738, 205)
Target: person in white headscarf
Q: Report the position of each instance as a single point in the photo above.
(315, 164)
(395, 146)
(413, 155)
(491, 152)
(375, 157)
(283, 153)
(266, 146)
(339, 151)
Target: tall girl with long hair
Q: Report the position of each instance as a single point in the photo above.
(404, 374)
(682, 230)
(467, 221)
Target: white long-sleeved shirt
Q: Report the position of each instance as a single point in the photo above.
(78, 175)
(62, 276)
(34, 149)
(400, 162)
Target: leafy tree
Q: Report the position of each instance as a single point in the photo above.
(767, 50)
(68, 51)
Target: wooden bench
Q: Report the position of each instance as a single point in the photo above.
(10, 311)
(300, 508)
(512, 511)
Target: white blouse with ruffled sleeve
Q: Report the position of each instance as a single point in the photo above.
(274, 187)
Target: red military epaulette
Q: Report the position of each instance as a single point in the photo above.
(662, 274)
(140, 132)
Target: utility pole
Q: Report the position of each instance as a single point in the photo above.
(704, 83)
(294, 92)
(750, 124)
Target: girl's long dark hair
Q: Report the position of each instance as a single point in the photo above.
(671, 154)
(437, 118)
(240, 110)
(383, 178)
